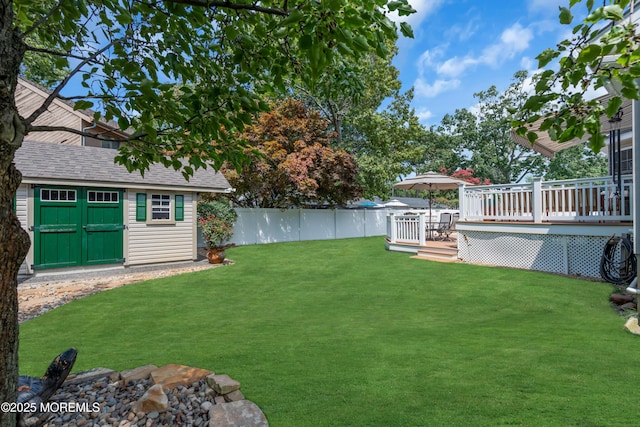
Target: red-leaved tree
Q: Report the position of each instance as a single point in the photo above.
(467, 175)
(292, 163)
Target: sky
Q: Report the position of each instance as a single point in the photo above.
(461, 47)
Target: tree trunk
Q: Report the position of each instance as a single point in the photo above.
(14, 244)
(14, 241)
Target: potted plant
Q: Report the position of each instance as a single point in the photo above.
(216, 220)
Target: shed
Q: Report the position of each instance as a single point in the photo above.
(81, 209)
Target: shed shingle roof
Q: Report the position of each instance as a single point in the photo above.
(45, 163)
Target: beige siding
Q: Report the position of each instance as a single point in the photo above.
(30, 97)
(29, 100)
(150, 243)
(22, 213)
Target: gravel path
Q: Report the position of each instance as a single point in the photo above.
(39, 294)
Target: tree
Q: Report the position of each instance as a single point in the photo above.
(291, 162)
(467, 175)
(486, 134)
(339, 100)
(177, 73)
(602, 52)
(384, 143)
(577, 162)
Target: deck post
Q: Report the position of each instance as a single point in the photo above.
(635, 191)
(391, 218)
(422, 231)
(461, 202)
(537, 200)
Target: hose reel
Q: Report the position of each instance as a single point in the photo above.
(618, 264)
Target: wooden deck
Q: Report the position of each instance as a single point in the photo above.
(435, 250)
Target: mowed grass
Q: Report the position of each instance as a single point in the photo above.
(344, 333)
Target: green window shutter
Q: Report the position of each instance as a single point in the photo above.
(179, 207)
(15, 201)
(141, 206)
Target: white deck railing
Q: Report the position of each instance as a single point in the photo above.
(581, 200)
(578, 200)
(414, 226)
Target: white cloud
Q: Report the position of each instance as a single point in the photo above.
(424, 115)
(423, 9)
(547, 7)
(429, 59)
(513, 40)
(516, 38)
(427, 90)
(528, 64)
(455, 66)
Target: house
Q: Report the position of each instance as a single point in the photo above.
(30, 96)
(83, 210)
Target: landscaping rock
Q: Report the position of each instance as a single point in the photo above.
(139, 373)
(170, 376)
(90, 375)
(234, 396)
(621, 298)
(154, 400)
(632, 326)
(243, 413)
(628, 306)
(222, 384)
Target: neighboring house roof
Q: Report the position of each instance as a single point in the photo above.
(62, 164)
(413, 202)
(61, 113)
(546, 146)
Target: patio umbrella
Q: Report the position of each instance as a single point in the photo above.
(430, 181)
(395, 203)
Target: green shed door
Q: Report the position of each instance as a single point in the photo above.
(58, 228)
(102, 227)
(77, 227)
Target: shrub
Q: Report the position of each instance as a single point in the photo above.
(216, 220)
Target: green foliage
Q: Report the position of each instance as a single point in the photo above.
(292, 163)
(344, 333)
(485, 136)
(601, 53)
(577, 162)
(40, 68)
(186, 77)
(216, 219)
(385, 143)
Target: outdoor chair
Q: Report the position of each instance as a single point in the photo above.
(446, 232)
(443, 225)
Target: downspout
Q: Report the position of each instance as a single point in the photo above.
(84, 128)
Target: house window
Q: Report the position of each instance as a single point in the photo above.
(103, 196)
(57, 195)
(626, 161)
(114, 145)
(160, 207)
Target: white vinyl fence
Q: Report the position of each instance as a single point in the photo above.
(258, 226)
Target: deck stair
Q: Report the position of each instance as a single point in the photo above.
(442, 253)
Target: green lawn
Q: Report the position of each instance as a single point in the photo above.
(344, 333)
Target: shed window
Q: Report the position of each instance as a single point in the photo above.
(103, 196)
(57, 195)
(160, 207)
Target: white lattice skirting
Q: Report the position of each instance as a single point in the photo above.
(573, 255)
